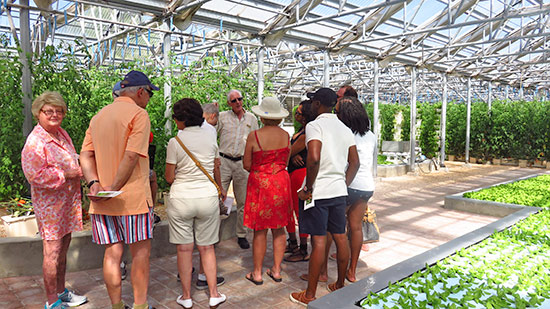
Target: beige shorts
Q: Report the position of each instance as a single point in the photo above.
(194, 220)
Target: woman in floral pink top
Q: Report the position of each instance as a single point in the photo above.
(50, 164)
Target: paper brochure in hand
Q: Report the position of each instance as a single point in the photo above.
(106, 194)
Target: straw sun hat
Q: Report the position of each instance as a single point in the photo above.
(270, 108)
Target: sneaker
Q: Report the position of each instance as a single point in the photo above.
(185, 303)
(214, 302)
(243, 243)
(301, 298)
(57, 305)
(70, 299)
(202, 284)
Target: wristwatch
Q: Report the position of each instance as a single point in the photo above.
(306, 190)
(91, 183)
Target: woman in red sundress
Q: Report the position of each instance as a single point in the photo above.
(268, 198)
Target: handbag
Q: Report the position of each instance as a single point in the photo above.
(223, 209)
(371, 233)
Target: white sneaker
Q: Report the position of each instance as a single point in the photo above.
(215, 301)
(70, 299)
(186, 303)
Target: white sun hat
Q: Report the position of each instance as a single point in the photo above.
(270, 108)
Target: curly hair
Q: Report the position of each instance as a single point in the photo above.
(353, 114)
(306, 110)
(189, 111)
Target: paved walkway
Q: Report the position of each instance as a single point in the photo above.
(409, 215)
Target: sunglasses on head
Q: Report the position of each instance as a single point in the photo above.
(237, 99)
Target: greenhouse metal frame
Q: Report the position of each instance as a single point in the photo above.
(389, 50)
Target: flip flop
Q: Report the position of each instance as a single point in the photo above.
(268, 272)
(250, 277)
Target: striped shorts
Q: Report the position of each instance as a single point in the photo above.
(112, 229)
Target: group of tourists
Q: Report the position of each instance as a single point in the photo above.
(321, 176)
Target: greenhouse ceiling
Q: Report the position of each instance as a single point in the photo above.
(501, 45)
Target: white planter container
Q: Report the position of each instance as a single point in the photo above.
(25, 226)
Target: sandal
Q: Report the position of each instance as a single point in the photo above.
(298, 256)
(292, 246)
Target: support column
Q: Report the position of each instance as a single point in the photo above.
(443, 124)
(468, 116)
(261, 55)
(507, 92)
(413, 120)
(25, 55)
(375, 116)
(168, 84)
(489, 95)
(326, 68)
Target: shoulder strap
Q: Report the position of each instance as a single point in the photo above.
(198, 164)
(257, 140)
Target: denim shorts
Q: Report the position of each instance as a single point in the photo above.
(355, 195)
(327, 215)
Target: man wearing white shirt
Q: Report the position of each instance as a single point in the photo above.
(331, 147)
(211, 113)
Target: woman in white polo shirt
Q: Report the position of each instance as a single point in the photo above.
(352, 113)
(193, 213)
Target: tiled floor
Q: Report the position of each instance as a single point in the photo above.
(409, 215)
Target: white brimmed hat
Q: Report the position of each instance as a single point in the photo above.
(270, 108)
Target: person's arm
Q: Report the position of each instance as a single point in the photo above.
(353, 164)
(170, 173)
(125, 169)
(218, 178)
(298, 146)
(247, 158)
(312, 165)
(89, 170)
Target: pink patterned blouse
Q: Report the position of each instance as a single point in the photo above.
(56, 201)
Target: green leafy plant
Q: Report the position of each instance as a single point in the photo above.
(531, 192)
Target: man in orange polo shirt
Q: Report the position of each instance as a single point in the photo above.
(114, 158)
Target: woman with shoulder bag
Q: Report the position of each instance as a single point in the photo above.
(193, 211)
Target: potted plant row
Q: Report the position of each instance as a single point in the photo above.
(20, 220)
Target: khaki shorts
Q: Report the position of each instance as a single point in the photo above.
(194, 220)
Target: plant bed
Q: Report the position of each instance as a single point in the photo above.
(502, 265)
(493, 201)
(510, 269)
(532, 191)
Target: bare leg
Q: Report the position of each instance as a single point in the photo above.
(185, 267)
(278, 251)
(62, 266)
(111, 270)
(342, 251)
(52, 250)
(324, 267)
(355, 217)
(208, 263)
(140, 251)
(315, 262)
(259, 245)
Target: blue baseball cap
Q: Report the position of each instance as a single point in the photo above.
(116, 88)
(136, 78)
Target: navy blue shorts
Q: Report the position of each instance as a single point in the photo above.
(355, 195)
(328, 215)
